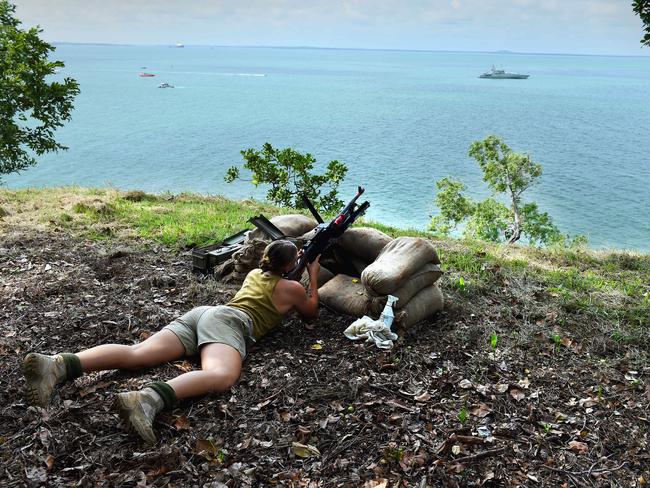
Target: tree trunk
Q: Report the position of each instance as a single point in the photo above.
(516, 228)
(516, 225)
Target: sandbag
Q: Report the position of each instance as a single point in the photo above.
(423, 305)
(425, 276)
(396, 263)
(324, 275)
(292, 225)
(224, 268)
(345, 295)
(364, 242)
(234, 277)
(248, 256)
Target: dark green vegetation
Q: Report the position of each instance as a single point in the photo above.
(289, 173)
(536, 372)
(506, 173)
(642, 9)
(31, 108)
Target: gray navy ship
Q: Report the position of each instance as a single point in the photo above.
(499, 74)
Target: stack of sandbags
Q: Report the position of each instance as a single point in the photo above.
(422, 278)
(425, 303)
(397, 262)
(406, 267)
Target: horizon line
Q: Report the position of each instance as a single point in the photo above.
(329, 48)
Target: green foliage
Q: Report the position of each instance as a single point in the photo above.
(393, 453)
(463, 415)
(460, 284)
(32, 109)
(642, 9)
(557, 339)
(454, 207)
(507, 173)
(488, 222)
(539, 227)
(503, 169)
(494, 340)
(290, 175)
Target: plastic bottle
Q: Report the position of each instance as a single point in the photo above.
(387, 315)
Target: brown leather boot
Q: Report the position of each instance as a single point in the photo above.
(138, 410)
(42, 374)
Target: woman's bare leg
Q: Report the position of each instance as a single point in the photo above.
(160, 348)
(221, 366)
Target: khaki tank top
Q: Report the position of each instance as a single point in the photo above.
(254, 298)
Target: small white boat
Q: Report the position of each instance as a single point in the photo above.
(178, 44)
(165, 85)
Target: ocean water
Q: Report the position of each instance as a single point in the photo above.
(400, 120)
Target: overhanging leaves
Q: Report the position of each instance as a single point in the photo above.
(31, 108)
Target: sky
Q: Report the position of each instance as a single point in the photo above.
(547, 26)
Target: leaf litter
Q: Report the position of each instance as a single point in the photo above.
(342, 414)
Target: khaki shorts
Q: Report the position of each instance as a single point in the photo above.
(221, 324)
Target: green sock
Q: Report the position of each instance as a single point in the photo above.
(166, 392)
(72, 366)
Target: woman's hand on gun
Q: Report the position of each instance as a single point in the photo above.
(314, 267)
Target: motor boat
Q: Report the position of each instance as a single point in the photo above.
(146, 75)
(165, 85)
(499, 74)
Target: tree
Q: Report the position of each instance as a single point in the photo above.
(642, 9)
(289, 174)
(507, 173)
(31, 109)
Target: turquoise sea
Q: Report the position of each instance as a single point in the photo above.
(400, 120)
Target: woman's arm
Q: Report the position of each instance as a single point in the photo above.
(306, 303)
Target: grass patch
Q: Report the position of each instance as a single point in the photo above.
(189, 220)
(392, 231)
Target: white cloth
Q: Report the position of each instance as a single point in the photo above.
(371, 330)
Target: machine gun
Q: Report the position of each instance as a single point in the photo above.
(325, 234)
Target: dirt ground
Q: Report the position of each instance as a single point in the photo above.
(450, 405)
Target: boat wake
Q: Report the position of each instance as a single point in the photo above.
(215, 73)
(258, 75)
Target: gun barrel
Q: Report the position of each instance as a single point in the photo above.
(347, 208)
